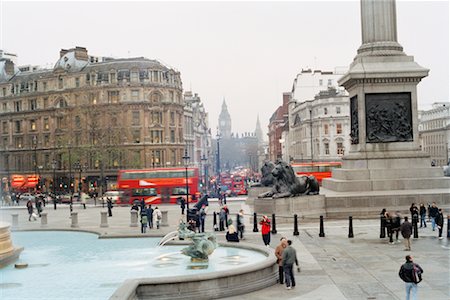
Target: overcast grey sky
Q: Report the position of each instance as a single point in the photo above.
(246, 52)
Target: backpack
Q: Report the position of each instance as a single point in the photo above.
(417, 273)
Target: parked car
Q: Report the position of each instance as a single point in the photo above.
(64, 198)
(26, 197)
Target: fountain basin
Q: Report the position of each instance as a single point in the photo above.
(213, 285)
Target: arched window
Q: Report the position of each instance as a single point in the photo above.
(61, 103)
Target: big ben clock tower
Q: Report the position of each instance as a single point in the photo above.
(224, 122)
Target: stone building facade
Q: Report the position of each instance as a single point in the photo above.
(277, 124)
(88, 117)
(434, 132)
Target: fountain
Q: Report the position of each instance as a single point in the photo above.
(8, 253)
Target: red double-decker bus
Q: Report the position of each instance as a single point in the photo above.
(161, 185)
(239, 186)
(320, 170)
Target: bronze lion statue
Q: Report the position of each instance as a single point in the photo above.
(287, 184)
(266, 175)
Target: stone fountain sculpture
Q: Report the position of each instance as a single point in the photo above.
(203, 244)
(8, 253)
(287, 184)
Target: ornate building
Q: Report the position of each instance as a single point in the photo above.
(88, 117)
(434, 132)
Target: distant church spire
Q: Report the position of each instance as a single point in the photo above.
(258, 131)
(225, 121)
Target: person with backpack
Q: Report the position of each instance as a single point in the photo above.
(144, 221)
(411, 274)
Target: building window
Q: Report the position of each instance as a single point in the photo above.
(330, 82)
(171, 96)
(338, 128)
(60, 82)
(44, 86)
(33, 104)
(4, 92)
(338, 110)
(45, 102)
(18, 142)
(137, 136)
(46, 124)
(113, 96)
(33, 125)
(5, 142)
(135, 121)
(172, 136)
(340, 148)
(325, 111)
(61, 103)
(172, 118)
(156, 117)
(134, 76)
(93, 98)
(320, 82)
(5, 107)
(156, 136)
(18, 106)
(77, 82)
(135, 95)
(155, 76)
(157, 157)
(4, 127)
(60, 123)
(327, 148)
(325, 129)
(77, 122)
(18, 126)
(112, 77)
(46, 140)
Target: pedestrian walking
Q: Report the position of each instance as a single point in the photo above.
(279, 254)
(440, 222)
(157, 216)
(222, 219)
(30, 211)
(289, 257)
(109, 204)
(411, 274)
(396, 222)
(144, 221)
(150, 216)
(265, 230)
(83, 197)
(433, 214)
(182, 204)
(202, 218)
(414, 211)
(423, 213)
(241, 223)
(406, 230)
(142, 205)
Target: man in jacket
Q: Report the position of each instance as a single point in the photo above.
(411, 274)
(406, 230)
(440, 222)
(289, 257)
(433, 214)
(279, 254)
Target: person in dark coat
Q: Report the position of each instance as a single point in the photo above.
(30, 210)
(411, 274)
(142, 206)
(110, 206)
(232, 235)
(150, 216)
(440, 222)
(396, 222)
(433, 213)
(406, 230)
(182, 204)
(423, 213)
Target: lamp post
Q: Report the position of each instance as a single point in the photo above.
(311, 132)
(35, 158)
(218, 158)
(186, 163)
(203, 160)
(54, 183)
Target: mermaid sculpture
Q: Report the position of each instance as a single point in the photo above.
(203, 244)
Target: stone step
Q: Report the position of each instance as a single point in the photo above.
(360, 174)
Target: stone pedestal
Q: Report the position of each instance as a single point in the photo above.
(285, 208)
(253, 193)
(44, 219)
(104, 219)
(133, 218)
(74, 218)
(15, 220)
(165, 218)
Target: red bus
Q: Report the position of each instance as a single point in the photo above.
(320, 170)
(238, 186)
(160, 185)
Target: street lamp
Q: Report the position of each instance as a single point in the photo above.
(311, 132)
(218, 156)
(54, 164)
(35, 158)
(203, 160)
(186, 164)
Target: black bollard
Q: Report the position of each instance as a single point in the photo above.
(448, 226)
(382, 227)
(255, 223)
(274, 224)
(54, 204)
(321, 232)
(415, 220)
(296, 225)
(215, 222)
(350, 226)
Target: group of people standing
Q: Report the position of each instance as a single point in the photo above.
(148, 215)
(286, 257)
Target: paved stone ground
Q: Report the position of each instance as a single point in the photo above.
(332, 267)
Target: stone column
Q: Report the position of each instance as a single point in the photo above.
(15, 220)
(379, 28)
(43, 219)
(104, 219)
(74, 217)
(134, 218)
(165, 218)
